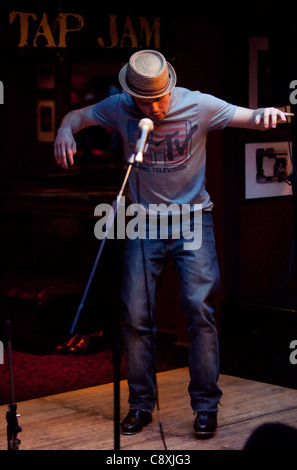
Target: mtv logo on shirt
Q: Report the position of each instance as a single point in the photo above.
(170, 144)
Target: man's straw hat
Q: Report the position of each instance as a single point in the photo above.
(147, 75)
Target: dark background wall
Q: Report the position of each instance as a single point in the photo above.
(47, 214)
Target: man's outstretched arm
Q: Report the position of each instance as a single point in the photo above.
(73, 122)
(262, 119)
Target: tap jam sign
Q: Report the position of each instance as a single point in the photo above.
(73, 22)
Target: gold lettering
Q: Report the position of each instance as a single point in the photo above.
(113, 33)
(129, 33)
(63, 26)
(24, 24)
(147, 33)
(44, 30)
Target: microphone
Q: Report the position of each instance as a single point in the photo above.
(146, 125)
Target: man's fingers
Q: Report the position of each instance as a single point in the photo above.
(64, 162)
(64, 155)
(69, 154)
(64, 149)
(285, 115)
(270, 117)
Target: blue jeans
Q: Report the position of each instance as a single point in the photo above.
(199, 280)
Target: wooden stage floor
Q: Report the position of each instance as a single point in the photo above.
(83, 419)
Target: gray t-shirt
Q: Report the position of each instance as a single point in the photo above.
(173, 168)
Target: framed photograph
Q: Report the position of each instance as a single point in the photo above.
(267, 167)
(46, 120)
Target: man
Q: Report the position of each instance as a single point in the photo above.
(172, 172)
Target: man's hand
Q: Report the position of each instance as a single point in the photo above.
(262, 119)
(73, 122)
(64, 147)
(269, 117)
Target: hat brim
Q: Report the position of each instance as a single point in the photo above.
(171, 84)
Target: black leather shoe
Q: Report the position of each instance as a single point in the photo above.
(134, 421)
(205, 424)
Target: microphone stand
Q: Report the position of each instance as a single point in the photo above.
(146, 126)
(13, 427)
(116, 346)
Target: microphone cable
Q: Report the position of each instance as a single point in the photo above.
(290, 180)
(151, 320)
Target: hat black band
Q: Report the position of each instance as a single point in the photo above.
(147, 93)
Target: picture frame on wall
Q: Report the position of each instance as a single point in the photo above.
(46, 121)
(267, 167)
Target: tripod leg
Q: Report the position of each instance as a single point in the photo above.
(117, 372)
